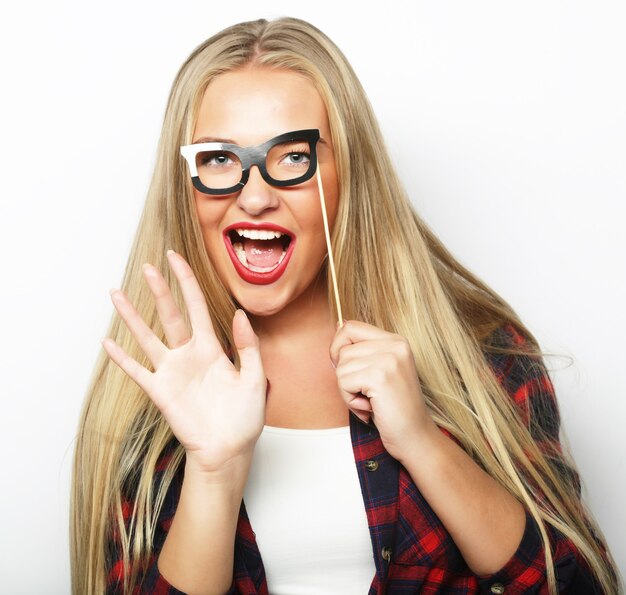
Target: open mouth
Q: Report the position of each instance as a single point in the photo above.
(259, 250)
(259, 253)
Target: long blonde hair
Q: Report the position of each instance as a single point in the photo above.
(393, 273)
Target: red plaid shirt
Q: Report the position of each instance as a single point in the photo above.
(412, 550)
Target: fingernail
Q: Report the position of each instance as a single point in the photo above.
(245, 316)
(170, 252)
(148, 270)
(112, 290)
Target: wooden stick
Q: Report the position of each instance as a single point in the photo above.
(331, 260)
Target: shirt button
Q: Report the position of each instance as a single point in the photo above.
(386, 554)
(497, 588)
(371, 465)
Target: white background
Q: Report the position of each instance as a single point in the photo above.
(507, 121)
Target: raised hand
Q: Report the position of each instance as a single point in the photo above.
(215, 411)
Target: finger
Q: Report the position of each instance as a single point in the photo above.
(359, 403)
(247, 344)
(148, 341)
(354, 331)
(176, 331)
(364, 349)
(131, 366)
(355, 380)
(194, 298)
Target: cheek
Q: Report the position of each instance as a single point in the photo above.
(210, 215)
(210, 212)
(313, 210)
(331, 196)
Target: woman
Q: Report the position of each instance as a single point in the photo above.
(230, 368)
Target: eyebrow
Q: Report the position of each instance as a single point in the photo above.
(214, 139)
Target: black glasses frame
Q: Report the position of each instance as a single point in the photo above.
(250, 156)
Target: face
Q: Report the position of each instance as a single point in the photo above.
(248, 107)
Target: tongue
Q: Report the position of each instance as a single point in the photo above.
(263, 253)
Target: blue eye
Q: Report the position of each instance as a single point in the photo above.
(215, 159)
(297, 158)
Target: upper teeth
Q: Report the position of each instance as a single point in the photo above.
(259, 234)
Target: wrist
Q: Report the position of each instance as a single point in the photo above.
(422, 443)
(232, 473)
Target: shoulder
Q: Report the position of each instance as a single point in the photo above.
(517, 363)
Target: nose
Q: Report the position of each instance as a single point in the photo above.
(257, 195)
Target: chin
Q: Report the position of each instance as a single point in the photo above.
(262, 309)
(262, 312)
(261, 306)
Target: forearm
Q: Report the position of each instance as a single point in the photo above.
(197, 556)
(485, 521)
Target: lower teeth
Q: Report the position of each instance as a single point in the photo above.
(241, 257)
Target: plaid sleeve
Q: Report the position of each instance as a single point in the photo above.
(525, 572)
(526, 380)
(150, 581)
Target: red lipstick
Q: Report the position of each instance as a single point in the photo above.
(248, 275)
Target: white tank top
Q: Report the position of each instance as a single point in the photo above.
(305, 506)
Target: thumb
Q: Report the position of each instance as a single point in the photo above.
(247, 344)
